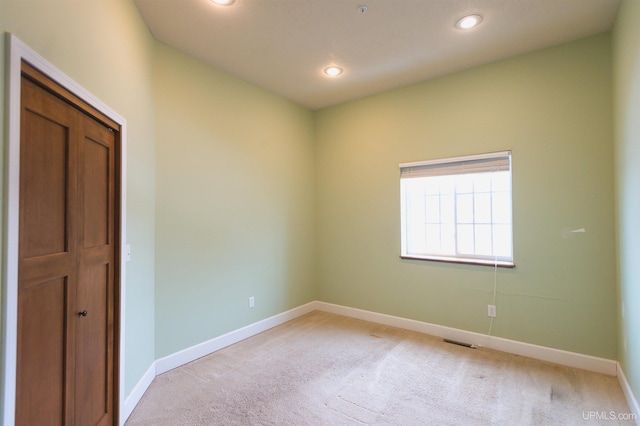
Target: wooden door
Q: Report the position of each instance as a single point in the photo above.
(67, 286)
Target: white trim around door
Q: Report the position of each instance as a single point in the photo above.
(16, 52)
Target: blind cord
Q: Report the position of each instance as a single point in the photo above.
(495, 285)
(495, 289)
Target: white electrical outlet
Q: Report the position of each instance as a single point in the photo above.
(491, 311)
(252, 302)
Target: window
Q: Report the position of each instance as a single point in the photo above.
(458, 209)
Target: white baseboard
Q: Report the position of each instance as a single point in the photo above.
(205, 348)
(628, 393)
(571, 359)
(138, 391)
(187, 355)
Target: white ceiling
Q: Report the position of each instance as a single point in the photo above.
(283, 45)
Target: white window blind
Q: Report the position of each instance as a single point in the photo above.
(495, 162)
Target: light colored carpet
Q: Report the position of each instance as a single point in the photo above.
(324, 369)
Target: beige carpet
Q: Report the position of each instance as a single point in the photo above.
(324, 369)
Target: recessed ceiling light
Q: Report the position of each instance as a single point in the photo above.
(223, 2)
(333, 70)
(468, 22)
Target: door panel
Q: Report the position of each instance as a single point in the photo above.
(42, 322)
(93, 386)
(45, 172)
(96, 169)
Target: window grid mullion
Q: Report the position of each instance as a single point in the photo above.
(473, 216)
(493, 248)
(440, 216)
(455, 219)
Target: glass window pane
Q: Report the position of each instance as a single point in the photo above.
(408, 185)
(464, 184)
(415, 241)
(430, 185)
(482, 208)
(447, 209)
(447, 184)
(464, 208)
(433, 245)
(432, 207)
(465, 239)
(448, 239)
(482, 182)
(501, 207)
(416, 235)
(483, 240)
(501, 181)
(502, 240)
(415, 209)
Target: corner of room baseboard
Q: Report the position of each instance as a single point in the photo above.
(138, 391)
(543, 353)
(192, 353)
(205, 348)
(628, 393)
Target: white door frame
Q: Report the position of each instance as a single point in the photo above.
(17, 51)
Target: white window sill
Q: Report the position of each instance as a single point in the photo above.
(462, 260)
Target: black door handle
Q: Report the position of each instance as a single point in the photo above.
(83, 313)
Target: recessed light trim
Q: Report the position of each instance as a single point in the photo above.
(223, 2)
(468, 22)
(333, 70)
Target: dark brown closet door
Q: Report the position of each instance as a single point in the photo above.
(66, 272)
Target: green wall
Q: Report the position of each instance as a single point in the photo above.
(106, 47)
(626, 66)
(553, 110)
(234, 204)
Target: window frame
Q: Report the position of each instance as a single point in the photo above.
(479, 163)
